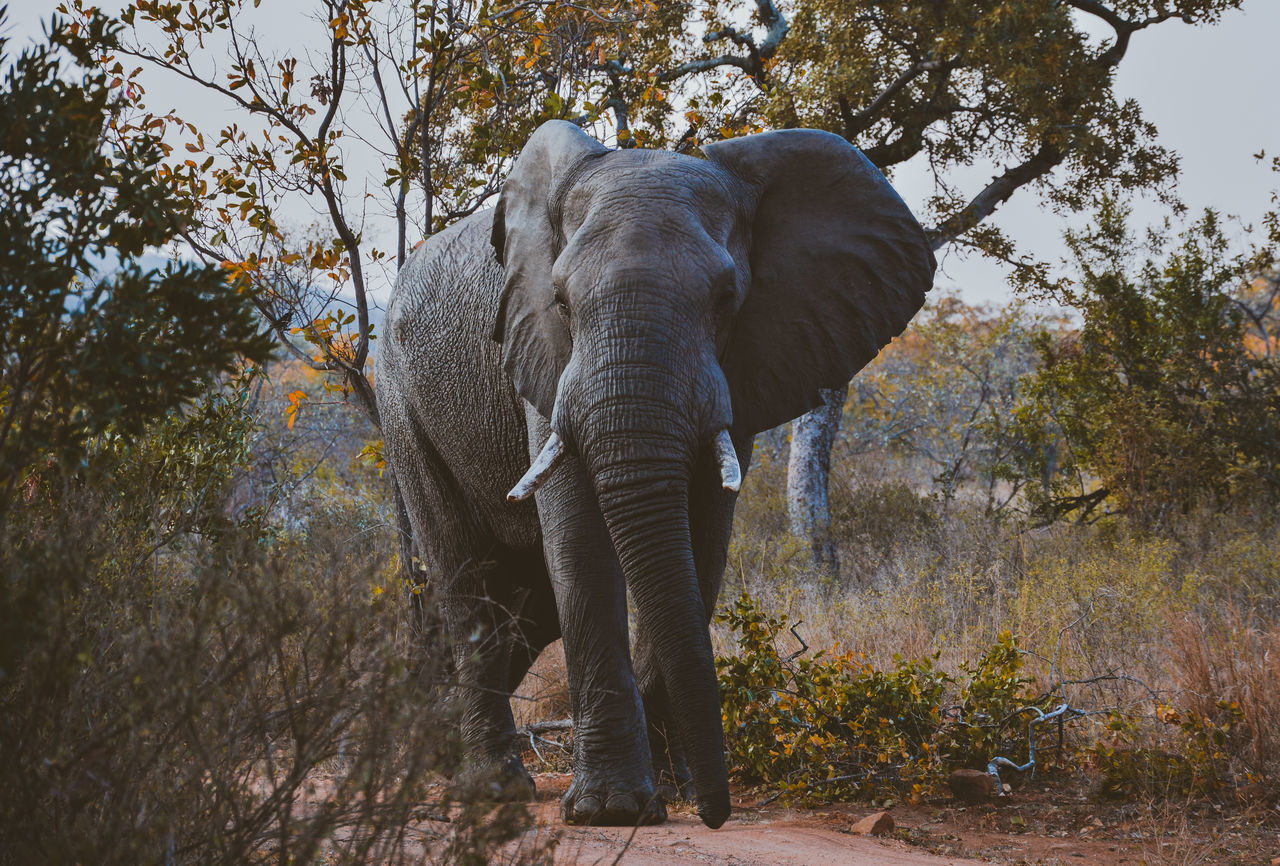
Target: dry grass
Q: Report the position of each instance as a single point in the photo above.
(544, 694)
(1232, 658)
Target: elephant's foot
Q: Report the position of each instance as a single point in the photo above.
(500, 780)
(607, 803)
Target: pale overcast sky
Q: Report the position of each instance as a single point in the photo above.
(1211, 92)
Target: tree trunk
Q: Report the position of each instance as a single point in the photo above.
(812, 436)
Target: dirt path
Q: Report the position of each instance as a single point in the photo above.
(767, 843)
(1050, 822)
(750, 838)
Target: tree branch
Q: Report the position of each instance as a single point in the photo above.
(1123, 27)
(857, 122)
(705, 65)
(777, 28)
(995, 194)
(1049, 154)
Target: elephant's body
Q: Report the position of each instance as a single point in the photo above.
(617, 330)
(440, 381)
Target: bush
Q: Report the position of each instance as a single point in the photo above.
(187, 675)
(943, 395)
(85, 351)
(1165, 399)
(828, 727)
(1110, 616)
(1192, 761)
(179, 687)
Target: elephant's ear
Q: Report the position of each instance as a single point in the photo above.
(526, 238)
(838, 267)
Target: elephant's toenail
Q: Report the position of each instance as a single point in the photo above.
(622, 804)
(587, 807)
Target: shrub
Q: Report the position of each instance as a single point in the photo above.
(989, 716)
(182, 687)
(943, 395)
(1112, 616)
(827, 727)
(1165, 399)
(1188, 759)
(83, 352)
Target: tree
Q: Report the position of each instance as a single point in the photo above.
(91, 340)
(439, 95)
(1168, 397)
(1018, 84)
(946, 394)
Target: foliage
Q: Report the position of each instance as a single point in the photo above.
(187, 674)
(946, 391)
(822, 728)
(990, 709)
(437, 96)
(1165, 396)
(181, 686)
(1110, 615)
(92, 341)
(1015, 83)
(1196, 764)
(311, 451)
(441, 94)
(828, 727)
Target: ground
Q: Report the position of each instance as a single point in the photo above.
(1057, 822)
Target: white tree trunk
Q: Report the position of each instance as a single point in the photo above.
(812, 436)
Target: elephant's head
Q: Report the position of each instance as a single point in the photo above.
(654, 300)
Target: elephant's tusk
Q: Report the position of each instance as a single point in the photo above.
(727, 457)
(539, 471)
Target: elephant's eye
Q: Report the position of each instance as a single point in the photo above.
(562, 306)
(725, 299)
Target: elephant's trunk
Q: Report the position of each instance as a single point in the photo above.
(648, 518)
(639, 449)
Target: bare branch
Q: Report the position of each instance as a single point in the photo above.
(1123, 27)
(995, 194)
(777, 28)
(856, 122)
(705, 65)
(401, 146)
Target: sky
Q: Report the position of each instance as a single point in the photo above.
(1211, 92)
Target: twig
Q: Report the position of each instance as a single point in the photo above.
(1061, 713)
(546, 727)
(804, 647)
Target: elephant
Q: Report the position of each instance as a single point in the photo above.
(569, 386)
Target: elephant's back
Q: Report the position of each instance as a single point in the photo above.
(449, 288)
(440, 376)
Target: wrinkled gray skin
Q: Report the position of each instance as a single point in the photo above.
(636, 302)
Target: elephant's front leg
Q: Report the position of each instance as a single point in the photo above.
(612, 770)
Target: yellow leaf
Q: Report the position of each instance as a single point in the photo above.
(295, 403)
